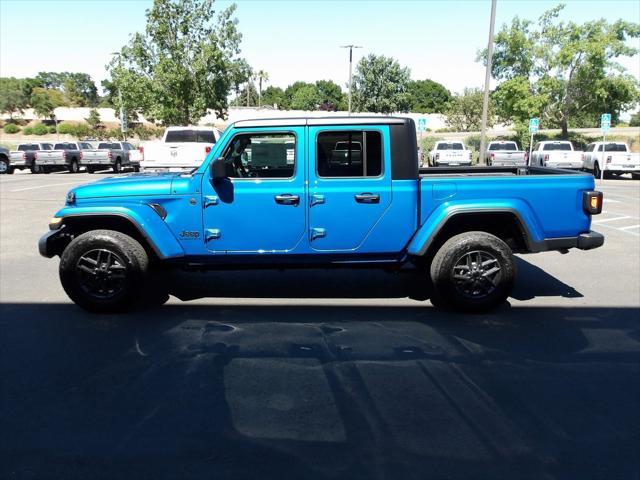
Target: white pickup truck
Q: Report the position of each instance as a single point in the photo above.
(181, 148)
(616, 159)
(556, 154)
(449, 154)
(505, 154)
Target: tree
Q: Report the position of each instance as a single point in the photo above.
(44, 101)
(273, 96)
(571, 66)
(184, 64)
(247, 96)
(464, 113)
(262, 76)
(427, 96)
(290, 92)
(380, 84)
(93, 119)
(12, 95)
(305, 98)
(79, 89)
(241, 73)
(330, 96)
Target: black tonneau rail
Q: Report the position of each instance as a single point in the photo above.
(495, 171)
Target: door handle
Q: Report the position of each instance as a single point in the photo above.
(287, 199)
(367, 198)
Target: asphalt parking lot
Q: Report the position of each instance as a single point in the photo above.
(322, 374)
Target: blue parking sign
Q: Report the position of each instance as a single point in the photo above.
(534, 124)
(422, 124)
(605, 122)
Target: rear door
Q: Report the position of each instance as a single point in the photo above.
(349, 184)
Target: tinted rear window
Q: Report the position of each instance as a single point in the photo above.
(104, 145)
(200, 136)
(24, 148)
(503, 146)
(557, 146)
(450, 146)
(615, 147)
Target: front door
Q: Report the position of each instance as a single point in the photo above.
(261, 207)
(349, 185)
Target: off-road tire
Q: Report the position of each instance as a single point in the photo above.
(447, 289)
(130, 255)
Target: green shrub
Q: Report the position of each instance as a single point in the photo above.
(51, 129)
(11, 128)
(147, 133)
(66, 128)
(27, 130)
(427, 143)
(40, 129)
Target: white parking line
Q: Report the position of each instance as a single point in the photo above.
(608, 200)
(611, 219)
(630, 227)
(43, 186)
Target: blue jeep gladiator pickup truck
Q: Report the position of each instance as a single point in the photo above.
(319, 192)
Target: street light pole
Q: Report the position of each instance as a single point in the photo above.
(350, 47)
(487, 78)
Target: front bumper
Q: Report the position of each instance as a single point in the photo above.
(584, 241)
(52, 243)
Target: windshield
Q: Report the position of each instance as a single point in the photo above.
(190, 136)
(557, 146)
(503, 146)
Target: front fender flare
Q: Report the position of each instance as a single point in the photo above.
(142, 217)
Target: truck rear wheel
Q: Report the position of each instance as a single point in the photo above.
(472, 272)
(103, 271)
(4, 166)
(117, 167)
(74, 167)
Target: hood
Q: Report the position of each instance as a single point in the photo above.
(127, 186)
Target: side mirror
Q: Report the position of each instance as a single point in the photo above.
(219, 169)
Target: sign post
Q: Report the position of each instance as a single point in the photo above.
(534, 125)
(605, 125)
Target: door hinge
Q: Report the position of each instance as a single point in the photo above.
(208, 201)
(212, 234)
(318, 233)
(316, 199)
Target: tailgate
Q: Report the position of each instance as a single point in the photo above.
(623, 159)
(95, 156)
(177, 154)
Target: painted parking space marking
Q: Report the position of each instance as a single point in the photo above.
(612, 219)
(630, 227)
(51, 185)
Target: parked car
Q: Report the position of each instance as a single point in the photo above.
(247, 205)
(114, 155)
(5, 159)
(64, 156)
(616, 159)
(23, 157)
(449, 154)
(181, 148)
(556, 154)
(505, 153)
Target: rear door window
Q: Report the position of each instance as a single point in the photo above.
(349, 154)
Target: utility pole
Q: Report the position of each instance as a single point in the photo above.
(350, 47)
(487, 78)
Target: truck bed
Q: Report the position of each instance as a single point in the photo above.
(493, 171)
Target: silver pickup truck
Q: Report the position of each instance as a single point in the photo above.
(505, 154)
(64, 156)
(24, 156)
(114, 155)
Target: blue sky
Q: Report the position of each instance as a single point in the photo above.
(291, 40)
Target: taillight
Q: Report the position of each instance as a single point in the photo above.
(582, 157)
(437, 156)
(35, 155)
(81, 155)
(141, 149)
(592, 202)
(207, 149)
(546, 158)
(64, 155)
(492, 155)
(109, 155)
(609, 159)
(24, 156)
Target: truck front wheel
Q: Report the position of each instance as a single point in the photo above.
(472, 272)
(103, 270)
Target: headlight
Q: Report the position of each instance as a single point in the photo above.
(55, 223)
(71, 197)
